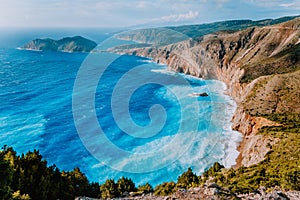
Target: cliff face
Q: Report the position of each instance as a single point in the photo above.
(260, 66)
(68, 44)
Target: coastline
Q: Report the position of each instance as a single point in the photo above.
(234, 146)
(236, 138)
(233, 155)
(240, 148)
(226, 57)
(231, 145)
(229, 77)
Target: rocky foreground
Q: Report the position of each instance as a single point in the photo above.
(215, 192)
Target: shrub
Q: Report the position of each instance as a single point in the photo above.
(109, 189)
(213, 170)
(6, 174)
(165, 189)
(187, 180)
(17, 196)
(145, 189)
(125, 185)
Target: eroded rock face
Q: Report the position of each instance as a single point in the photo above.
(243, 60)
(68, 44)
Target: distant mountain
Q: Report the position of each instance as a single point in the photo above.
(67, 44)
(173, 34)
(194, 31)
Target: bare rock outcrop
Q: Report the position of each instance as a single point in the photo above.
(214, 191)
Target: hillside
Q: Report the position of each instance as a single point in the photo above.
(68, 44)
(195, 31)
(169, 35)
(260, 66)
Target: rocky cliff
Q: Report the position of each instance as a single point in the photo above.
(68, 44)
(260, 66)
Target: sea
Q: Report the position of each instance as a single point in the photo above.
(110, 115)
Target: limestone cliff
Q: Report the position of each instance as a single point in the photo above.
(260, 66)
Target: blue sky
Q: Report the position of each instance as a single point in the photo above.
(126, 13)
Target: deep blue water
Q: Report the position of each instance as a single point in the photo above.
(44, 105)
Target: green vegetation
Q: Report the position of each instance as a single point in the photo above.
(69, 44)
(286, 61)
(125, 185)
(187, 180)
(288, 119)
(163, 36)
(195, 31)
(109, 189)
(165, 189)
(281, 167)
(145, 189)
(28, 177)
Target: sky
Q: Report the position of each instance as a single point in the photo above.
(130, 13)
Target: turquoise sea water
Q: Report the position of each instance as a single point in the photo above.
(165, 131)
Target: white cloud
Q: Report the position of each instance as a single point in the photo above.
(143, 4)
(178, 17)
(273, 3)
(293, 5)
(286, 5)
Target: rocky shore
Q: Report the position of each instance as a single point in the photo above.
(255, 64)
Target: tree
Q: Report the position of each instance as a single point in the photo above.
(217, 167)
(145, 189)
(67, 187)
(125, 185)
(165, 189)
(34, 177)
(30, 177)
(93, 190)
(187, 180)
(79, 181)
(6, 174)
(109, 189)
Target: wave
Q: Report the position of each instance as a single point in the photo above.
(29, 120)
(22, 131)
(28, 49)
(145, 61)
(163, 71)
